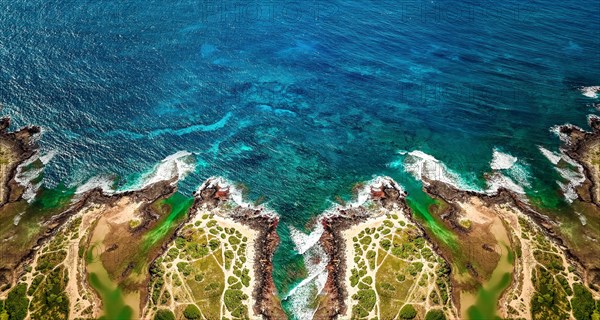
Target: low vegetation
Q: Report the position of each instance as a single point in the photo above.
(207, 268)
(395, 274)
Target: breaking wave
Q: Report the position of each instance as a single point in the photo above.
(302, 241)
(174, 167)
(591, 91)
(26, 176)
(301, 297)
(501, 160)
(422, 165)
(571, 172)
(104, 183)
(507, 172)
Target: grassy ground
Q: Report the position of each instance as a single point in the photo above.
(207, 266)
(395, 267)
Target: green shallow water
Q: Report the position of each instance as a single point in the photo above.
(485, 307)
(420, 202)
(178, 205)
(112, 298)
(486, 302)
(52, 199)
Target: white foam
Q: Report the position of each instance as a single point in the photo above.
(378, 183)
(553, 157)
(501, 160)
(364, 195)
(573, 178)
(48, 156)
(235, 195)
(420, 165)
(25, 177)
(591, 91)
(304, 241)
(563, 137)
(104, 183)
(592, 117)
(301, 297)
(515, 174)
(175, 166)
(497, 181)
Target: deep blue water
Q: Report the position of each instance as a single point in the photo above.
(299, 100)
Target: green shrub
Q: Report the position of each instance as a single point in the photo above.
(245, 278)
(387, 286)
(164, 314)
(214, 244)
(415, 268)
(366, 299)
(234, 240)
(358, 311)
(435, 314)
(191, 312)
(17, 303)
(582, 303)
(408, 312)
(385, 244)
(370, 254)
(565, 284)
(354, 277)
(233, 300)
(366, 240)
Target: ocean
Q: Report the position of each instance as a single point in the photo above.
(299, 100)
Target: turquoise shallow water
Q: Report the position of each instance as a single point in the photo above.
(298, 100)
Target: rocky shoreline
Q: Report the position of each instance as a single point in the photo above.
(452, 196)
(581, 146)
(212, 195)
(22, 145)
(334, 295)
(333, 302)
(578, 145)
